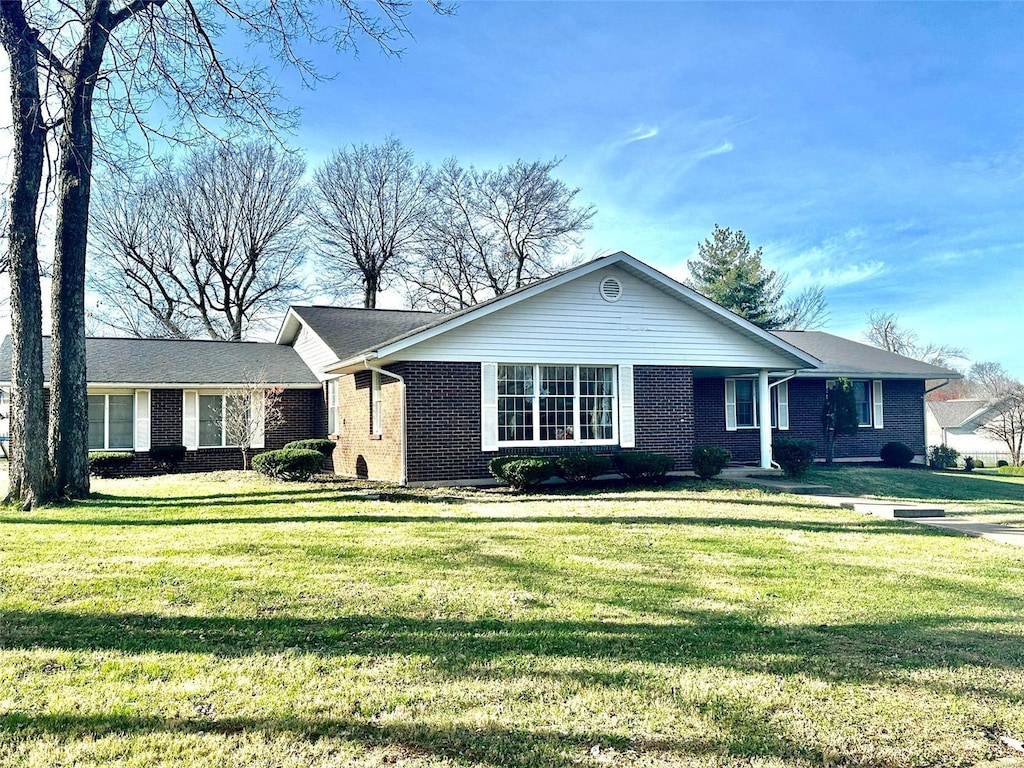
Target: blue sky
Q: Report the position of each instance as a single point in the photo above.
(876, 148)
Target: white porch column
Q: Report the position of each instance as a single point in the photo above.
(764, 411)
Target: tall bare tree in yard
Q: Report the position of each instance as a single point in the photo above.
(367, 208)
(492, 231)
(885, 332)
(992, 382)
(209, 247)
(31, 477)
(144, 59)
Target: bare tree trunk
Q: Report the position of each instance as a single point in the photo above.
(31, 480)
(370, 288)
(69, 423)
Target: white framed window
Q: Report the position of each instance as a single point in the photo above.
(112, 422)
(376, 408)
(742, 408)
(867, 397)
(219, 419)
(332, 407)
(542, 404)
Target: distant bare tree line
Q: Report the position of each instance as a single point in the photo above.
(217, 242)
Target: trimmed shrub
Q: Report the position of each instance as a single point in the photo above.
(896, 454)
(642, 466)
(109, 463)
(527, 473)
(582, 467)
(1011, 470)
(942, 457)
(710, 460)
(979, 464)
(167, 457)
(795, 456)
(321, 444)
(497, 465)
(288, 463)
(1002, 463)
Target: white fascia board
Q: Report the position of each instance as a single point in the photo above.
(179, 385)
(874, 375)
(289, 328)
(352, 364)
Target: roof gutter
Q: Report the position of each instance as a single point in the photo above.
(403, 478)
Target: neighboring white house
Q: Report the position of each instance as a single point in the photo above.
(960, 424)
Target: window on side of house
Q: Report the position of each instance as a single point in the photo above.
(539, 404)
(862, 397)
(376, 407)
(217, 414)
(743, 393)
(111, 422)
(332, 407)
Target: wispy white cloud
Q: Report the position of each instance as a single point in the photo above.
(726, 146)
(641, 133)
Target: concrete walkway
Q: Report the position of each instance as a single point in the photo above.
(926, 515)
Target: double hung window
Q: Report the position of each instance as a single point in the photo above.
(111, 422)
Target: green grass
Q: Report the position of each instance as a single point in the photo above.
(229, 621)
(982, 494)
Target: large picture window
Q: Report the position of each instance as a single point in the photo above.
(556, 403)
(111, 422)
(217, 414)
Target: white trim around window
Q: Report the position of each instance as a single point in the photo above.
(741, 405)
(376, 405)
(204, 422)
(332, 407)
(114, 420)
(869, 398)
(540, 404)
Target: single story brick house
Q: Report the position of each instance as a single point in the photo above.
(609, 356)
(612, 355)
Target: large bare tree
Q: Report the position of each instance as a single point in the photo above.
(492, 231)
(148, 65)
(885, 332)
(367, 207)
(209, 247)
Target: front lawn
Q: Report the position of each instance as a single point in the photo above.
(230, 621)
(983, 495)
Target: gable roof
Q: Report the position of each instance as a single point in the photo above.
(442, 323)
(843, 357)
(180, 362)
(956, 413)
(348, 330)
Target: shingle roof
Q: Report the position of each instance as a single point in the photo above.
(175, 361)
(349, 330)
(953, 413)
(843, 357)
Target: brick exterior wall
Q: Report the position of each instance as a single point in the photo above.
(903, 419)
(443, 427)
(303, 417)
(360, 453)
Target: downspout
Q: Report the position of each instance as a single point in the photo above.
(924, 417)
(403, 478)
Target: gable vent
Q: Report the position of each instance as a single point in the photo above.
(611, 289)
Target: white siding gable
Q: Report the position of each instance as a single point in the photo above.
(571, 323)
(313, 351)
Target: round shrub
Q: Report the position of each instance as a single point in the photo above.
(1002, 463)
(288, 463)
(321, 444)
(942, 457)
(1011, 470)
(897, 454)
(793, 455)
(642, 466)
(979, 464)
(581, 467)
(524, 474)
(497, 465)
(109, 463)
(710, 460)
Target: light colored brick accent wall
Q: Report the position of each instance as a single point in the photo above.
(358, 452)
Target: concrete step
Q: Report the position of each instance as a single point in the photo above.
(896, 510)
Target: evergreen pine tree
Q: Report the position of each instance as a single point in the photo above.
(728, 272)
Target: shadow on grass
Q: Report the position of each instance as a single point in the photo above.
(742, 732)
(849, 652)
(865, 525)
